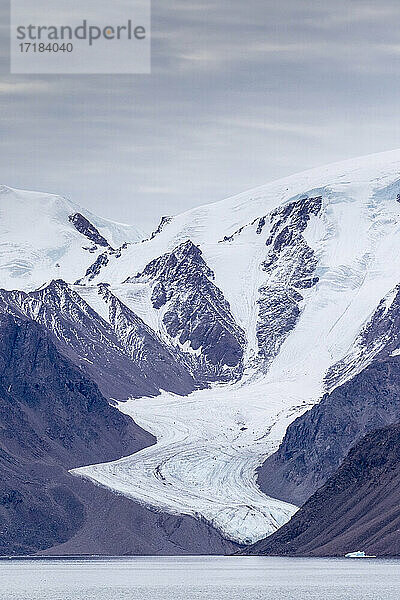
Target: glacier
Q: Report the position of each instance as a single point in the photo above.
(327, 266)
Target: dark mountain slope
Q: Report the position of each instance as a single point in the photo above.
(163, 364)
(53, 418)
(49, 396)
(98, 348)
(115, 526)
(358, 508)
(316, 443)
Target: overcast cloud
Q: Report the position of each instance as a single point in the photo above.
(240, 93)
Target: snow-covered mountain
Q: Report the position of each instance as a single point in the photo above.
(258, 305)
(45, 237)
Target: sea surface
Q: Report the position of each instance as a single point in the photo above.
(199, 578)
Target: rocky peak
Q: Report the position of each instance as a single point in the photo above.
(85, 227)
(184, 263)
(197, 311)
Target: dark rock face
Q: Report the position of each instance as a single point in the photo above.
(86, 228)
(316, 443)
(101, 261)
(358, 508)
(164, 221)
(197, 312)
(290, 266)
(91, 272)
(260, 225)
(97, 347)
(53, 418)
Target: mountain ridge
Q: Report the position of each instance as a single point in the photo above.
(357, 508)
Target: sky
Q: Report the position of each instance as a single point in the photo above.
(240, 93)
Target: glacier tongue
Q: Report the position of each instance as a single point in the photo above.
(208, 447)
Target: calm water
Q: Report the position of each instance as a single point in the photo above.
(207, 578)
